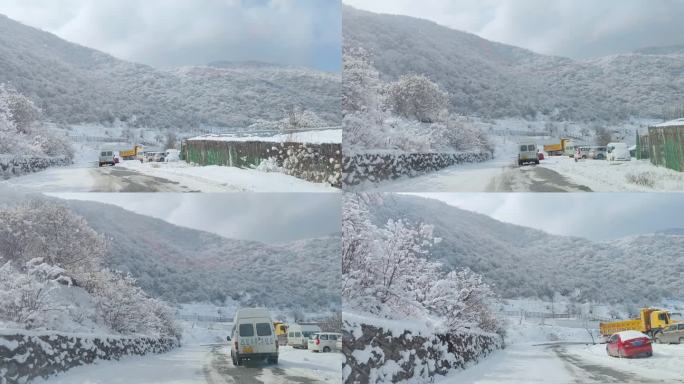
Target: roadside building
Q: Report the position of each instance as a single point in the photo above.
(666, 144)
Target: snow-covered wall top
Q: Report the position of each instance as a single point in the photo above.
(383, 351)
(333, 136)
(671, 123)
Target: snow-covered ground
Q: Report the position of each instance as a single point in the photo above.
(312, 136)
(563, 351)
(609, 176)
(214, 178)
(133, 176)
(205, 358)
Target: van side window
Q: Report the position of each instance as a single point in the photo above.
(298, 334)
(523, 148)
(324, 337)
(263, 329)
(246, 330)
(291, 334)
(333, 337)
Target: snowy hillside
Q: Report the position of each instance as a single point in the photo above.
(524, 262)
(184, 265)
(75, 84)
(497, 80)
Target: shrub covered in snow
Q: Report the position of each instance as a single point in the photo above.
(52, 277)
(21, 134)
(415, 97)
(409, 115)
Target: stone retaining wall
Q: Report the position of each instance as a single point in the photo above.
(25, 357)
(377, 355)
(369, 167)
(12, 166)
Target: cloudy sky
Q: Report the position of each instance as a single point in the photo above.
(169, 33)
(571, 28)
(266, 217)
(596, 216)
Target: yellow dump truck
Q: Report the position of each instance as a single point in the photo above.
(281, 332)
(132, 154)
(650, 322)
(557, 149)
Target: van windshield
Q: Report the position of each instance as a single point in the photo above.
(263, 329)
(246, 330)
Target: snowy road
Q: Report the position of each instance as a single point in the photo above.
(573, 363)
(208, 364)
(162, 177)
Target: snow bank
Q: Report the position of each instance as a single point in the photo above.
(27, 355)
(215, 178)
(373, 167)
(312, 137)
(381, 350)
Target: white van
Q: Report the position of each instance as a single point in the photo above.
(528, 153)
(618, 152)
(253, 337)
(298, 335)
(106, 157)
(325, 342)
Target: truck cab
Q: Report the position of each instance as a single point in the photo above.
(651, 321)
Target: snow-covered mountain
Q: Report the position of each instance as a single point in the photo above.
(75, 84)
(525, 262)
(497, 80)
(185, 265)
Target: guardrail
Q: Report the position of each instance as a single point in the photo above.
(548, 315)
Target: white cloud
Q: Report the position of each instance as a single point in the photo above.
(574, 28)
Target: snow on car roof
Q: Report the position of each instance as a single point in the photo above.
(671, 123)
(629, 335)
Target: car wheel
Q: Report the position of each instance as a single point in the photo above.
(326, 349)
(620, 355)
(537, 162)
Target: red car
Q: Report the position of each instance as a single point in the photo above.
(629, 344)
(540, 155)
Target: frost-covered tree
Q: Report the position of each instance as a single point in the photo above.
(25, 292)
(360, 81)
(43, 229)
(23, 112)
(21, 132)
(416, 97)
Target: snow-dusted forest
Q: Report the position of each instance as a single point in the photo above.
(523, 262)
(183, 265)
(494, 80)
(74, 84)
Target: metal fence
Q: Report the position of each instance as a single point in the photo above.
(548, 315)
(666, 146)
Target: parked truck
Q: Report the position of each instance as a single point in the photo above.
(650, 321)
(557, 149)
(132, 154)
(281, 332)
